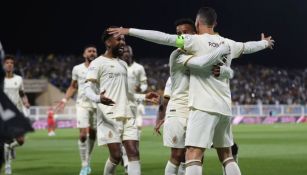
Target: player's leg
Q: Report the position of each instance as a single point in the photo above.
(92, 132)
(200, 132)
(223, 140)
(114, 158)
(132, 150)
(131, 144)
(174, 137)
(83, 142)
(108, 133)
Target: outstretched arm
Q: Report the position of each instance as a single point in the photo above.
(150, 35)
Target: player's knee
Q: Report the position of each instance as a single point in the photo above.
(133, 153)
(193, 153)
(178, 155)
(83, 137)
(116, 157)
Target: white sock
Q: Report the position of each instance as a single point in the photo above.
(14, 144)
(7, 155)
(83, 153)
(232, 168)
(125, 157)
(181, 169)
(194, 170)
(109, 168)
(170, 169)
(134, 168)
(90, 147)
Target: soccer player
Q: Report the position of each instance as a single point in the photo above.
(137, 82)
(209, 122)
(14, 89)
(50, 122)
(177, 109)
(116, 123)
(85, 108)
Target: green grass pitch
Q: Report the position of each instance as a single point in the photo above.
(279, 149)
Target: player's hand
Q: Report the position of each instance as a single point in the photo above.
(60, 106)
(159, 123)
(116, 32)
(152, 97)
(105, 100)
(216, 69)
(269, 39)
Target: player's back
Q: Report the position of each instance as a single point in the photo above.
(207, 92)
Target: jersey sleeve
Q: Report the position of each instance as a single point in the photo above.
(21, 88)
(142, 74)
(74, 74)
(93, 72)
(236, 48)
(168, 88)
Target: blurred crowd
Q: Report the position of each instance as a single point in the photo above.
(252, 84)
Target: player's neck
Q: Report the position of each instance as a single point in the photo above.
(86, 63)
(108, 54)
(205, 29)
(9, 75)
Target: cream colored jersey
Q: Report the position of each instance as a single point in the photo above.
(79, 74)
(208, 93)
(12, 86)
(179, 74)
(111, 76)
(168, 88)
(136, 75)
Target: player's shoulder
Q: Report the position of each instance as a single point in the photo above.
(138, 65)
(78, 66)
(17, 77)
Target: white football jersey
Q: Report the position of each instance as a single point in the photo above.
(179, 74)
(111, 76)
(79, 74)
(12, 86)
(208, 93)
(136, 75)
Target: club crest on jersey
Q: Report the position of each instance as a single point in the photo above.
(175, 139)
(110, 135)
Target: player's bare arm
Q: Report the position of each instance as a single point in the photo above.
(72, 89)
(24, 98)
(161, 115)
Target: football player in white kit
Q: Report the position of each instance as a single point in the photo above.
(176, 111)
(85, 109)
(137, 83)
(14, 89)
(115, 121)
(209, 97)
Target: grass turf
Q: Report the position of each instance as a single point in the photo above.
(279, 149)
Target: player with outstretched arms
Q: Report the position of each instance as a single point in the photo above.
(85, 108)
(115, 121)
(209, 122)
(177, 110)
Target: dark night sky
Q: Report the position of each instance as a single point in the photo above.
(65, 27)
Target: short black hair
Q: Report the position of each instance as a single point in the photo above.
(9, 57)
(88, 46)
(182, 21)
(105, 35)
(207, 15)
